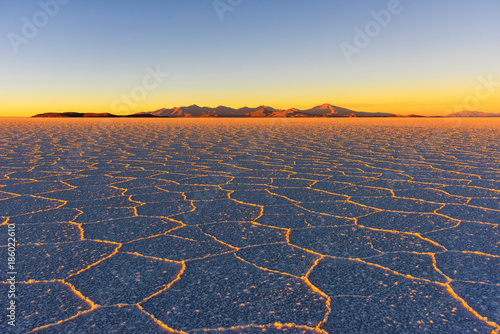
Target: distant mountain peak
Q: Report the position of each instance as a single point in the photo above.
(326, 106)
(472, 113)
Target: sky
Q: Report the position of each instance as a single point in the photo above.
(407, 57)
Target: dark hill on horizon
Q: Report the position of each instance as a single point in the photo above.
(88, 115)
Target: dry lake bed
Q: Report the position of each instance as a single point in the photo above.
(250, 226)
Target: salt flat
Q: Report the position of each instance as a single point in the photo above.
(246, 226)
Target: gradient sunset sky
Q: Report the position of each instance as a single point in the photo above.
(284, 53)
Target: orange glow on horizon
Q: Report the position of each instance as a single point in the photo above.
(401, 101)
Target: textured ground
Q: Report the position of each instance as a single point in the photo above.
(246, 226)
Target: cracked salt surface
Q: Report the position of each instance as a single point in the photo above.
(250, 226)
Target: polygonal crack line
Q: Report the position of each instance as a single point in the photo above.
(304, 279)
(446, 285)
(469, 308)
(91, 304)
(5, 222)
(158, 235)
(116, 251)
(98, 307)
(475, 253)
(219, 241)
(464, 220)
(397, 211)
(418, 235)
(335, 216)
(477, 282)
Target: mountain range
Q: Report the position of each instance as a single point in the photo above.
(324, 110)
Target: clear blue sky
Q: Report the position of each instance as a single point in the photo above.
(285, 53)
